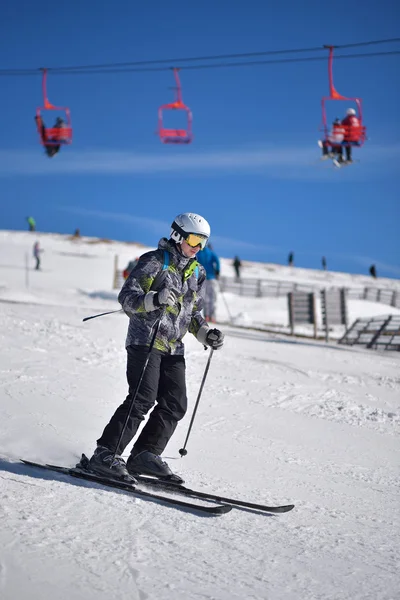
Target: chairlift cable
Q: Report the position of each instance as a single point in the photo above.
(130, 66)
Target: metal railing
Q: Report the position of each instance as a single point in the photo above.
(375, 332)
(259, 288)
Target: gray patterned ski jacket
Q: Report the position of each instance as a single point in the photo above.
(186, 277)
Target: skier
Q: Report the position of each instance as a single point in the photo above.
(210, 261)
(166, 284)
(332, 145)
(53, 148)
(36, 254)
(31, 223)
(131, 265)
(290, 259)
(237, 265)
(353, 132)
(372, 271)
(323, 262)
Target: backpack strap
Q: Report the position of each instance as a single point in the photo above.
(166, 260)
(194, 267)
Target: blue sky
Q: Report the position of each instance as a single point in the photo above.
(253, 169)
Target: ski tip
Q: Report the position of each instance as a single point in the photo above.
(221, 509)
(284, 509)
(28, 462)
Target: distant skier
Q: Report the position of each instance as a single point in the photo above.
(291, 259)
(31, 223)
(323, 262)
(372, 271)
(210, 261)
(128, 270)
(36, 254)
(165, 284)
(237, 266)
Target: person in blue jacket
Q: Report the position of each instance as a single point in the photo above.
(210, 261)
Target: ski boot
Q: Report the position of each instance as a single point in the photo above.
(104, 462)
(147, 463)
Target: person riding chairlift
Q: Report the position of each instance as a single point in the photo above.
(353, 132)
(53, 148)
(332, 145)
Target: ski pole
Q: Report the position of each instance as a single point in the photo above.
(133, 399)
(160, 277)
(110, 312)
(225, 302)
(183, 450)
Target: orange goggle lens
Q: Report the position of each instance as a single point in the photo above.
(196, 240)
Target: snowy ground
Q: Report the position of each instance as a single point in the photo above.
(281, 420)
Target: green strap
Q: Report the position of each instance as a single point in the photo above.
(192, 268)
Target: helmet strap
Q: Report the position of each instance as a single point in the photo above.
(179, 230)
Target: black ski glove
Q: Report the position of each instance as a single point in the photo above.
(215, 339)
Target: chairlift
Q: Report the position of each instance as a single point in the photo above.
(175, 136)
(56, 135)
(357, 133)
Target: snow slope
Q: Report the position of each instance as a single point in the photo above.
(280, 420)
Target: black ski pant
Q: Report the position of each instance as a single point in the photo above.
(164, 384)
(52, 150)
(328, 147)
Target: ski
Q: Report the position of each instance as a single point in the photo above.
(181, 489)
(185, 491)
(219, 509)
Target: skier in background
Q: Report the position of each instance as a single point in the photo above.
(210, 261)
(165, 284)
(237, 265)
(31, 223)
(323, 262)
(372, 271)
(36, 254)
(131, 265)
(291, 259)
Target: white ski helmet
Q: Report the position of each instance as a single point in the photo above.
(350, 111)
(187, 223)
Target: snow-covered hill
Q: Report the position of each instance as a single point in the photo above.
(79, 273)
(280, 420)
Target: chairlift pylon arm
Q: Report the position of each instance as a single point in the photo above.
(46, 102)
(332, 91)
(178, 89)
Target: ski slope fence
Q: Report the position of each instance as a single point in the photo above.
(260, 288)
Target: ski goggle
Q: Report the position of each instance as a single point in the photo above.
(194, 240)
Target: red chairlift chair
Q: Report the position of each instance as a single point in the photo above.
(175, 136)
(357, 133)
(53, 136)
